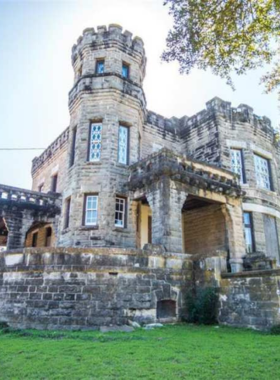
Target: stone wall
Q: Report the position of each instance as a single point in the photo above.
(53, 161)
(246, 299)
(89, 288)
(250, 299)
(204, 230)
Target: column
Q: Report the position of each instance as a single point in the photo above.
(166, 201)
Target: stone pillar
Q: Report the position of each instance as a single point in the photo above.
(235, 231)
(166, 202)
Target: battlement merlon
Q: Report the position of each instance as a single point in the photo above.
(113, 36)
(51, 150)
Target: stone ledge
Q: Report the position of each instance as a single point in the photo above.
(256, 273)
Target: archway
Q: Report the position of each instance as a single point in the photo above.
(3, 234)
(144, 223)
(204, 226)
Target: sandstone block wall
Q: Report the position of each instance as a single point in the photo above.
(205, 230)
(86, 289)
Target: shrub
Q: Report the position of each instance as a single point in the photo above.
(275, 330)
(4, 327)
(202, 306)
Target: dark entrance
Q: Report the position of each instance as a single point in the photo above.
(166, 309)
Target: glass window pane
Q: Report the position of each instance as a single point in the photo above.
(236, 163)
(123, 145)
(262, 172)
(95, 142)
(91, 210)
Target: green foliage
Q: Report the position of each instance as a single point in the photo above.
(225, 36)
(275, 330)
(202, 306)
(4, 327)
(181, 352)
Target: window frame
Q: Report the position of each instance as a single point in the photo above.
(67, 213)
(124, 212)
(122, 125)
(73, 147)
(268, 161)
(91, 124)
(243, 177)
(34, 242)
(251, 227)
(54, 182)
(85, 210)
(98, 61)
(127, 66)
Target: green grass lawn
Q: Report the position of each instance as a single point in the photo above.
(171, 352)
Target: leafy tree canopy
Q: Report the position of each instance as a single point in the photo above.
(226, 36)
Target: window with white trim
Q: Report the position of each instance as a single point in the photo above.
(123, 145)
(91, 210)
(237, 163)
(248, 232)
(95, 142)
(120, 212)
(262, 170)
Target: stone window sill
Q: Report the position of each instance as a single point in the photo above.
(65, 231)
(94, 163)
(88, 228)
(120, 229)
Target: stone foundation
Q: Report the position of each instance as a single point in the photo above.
(88, 288)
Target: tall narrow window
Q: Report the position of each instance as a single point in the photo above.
(48, 237)
(67, 212)
(54, 183)
(100, 65)
(95, 142)
(91, 210)
(120, 212)
(40, 188)
(248, 231)
(125, 70)
(35, 239)
(123, 145)
(262, 168)
(73, 147)
(237, 163)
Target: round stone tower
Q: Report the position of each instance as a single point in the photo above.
(107, 108)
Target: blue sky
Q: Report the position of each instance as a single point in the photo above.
(36, 38)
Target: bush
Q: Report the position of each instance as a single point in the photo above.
(4, 327)
(275, 330)
(202, 306)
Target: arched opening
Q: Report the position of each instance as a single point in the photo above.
(40, 234)
(204, 226)
(144, 223)
(3, 235)
(166, 310)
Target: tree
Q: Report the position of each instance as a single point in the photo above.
(226, 36)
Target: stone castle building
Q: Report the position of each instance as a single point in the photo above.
(123, 187)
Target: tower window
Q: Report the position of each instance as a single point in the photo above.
(54, 183)
(237, 165)
(95, 142)
(73, 147)
(248, 232)
(262, 168)
(125, 70)
(100, 65)
(120, 212)
(67, 212)
(123, 145)
(91, 210)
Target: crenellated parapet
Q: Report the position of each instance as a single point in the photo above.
(59, 143)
